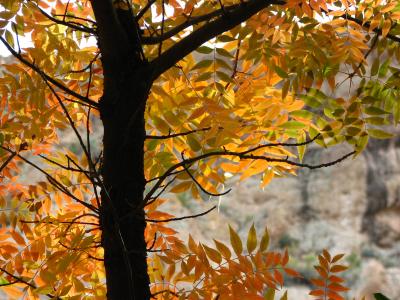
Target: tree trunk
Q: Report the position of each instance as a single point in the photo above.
(122, 216)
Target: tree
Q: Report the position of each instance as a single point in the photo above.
(187, 91)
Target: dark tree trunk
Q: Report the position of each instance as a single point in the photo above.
(127, 81)
(122, 215)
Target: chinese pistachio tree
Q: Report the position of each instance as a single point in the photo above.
(187, 92)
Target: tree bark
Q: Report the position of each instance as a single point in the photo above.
(126, 89)
(127, 81)
(122, 216)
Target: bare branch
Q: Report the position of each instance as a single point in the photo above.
(240, 155)
(202, 188)
(236, 16)
(145, 9)
(151, 40)
(68, 168)
(72, 25)
(58, 222)
(183, 218)
(7, 161)
(168, 136)
(153, 243)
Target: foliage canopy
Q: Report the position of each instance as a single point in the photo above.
(193, 92)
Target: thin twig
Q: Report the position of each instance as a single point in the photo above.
(7, 161)
(240, 155)
(52, 180)
(182, 218)
(202, 188)
(145, 9)
(168, 136)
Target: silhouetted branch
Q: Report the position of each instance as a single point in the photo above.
(202, 188)
(67, 168)
(240, 155)
(163, 292)
(72, 25)
(21, 280)
(168, 136)
(150, 40)
(58, 222)
(211, 29)
(153, 243)
(145, 9)
(182, 218)
(7, 161)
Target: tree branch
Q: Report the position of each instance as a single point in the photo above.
(151, 40)
(202, 188)
(168, 136)
(240, 155)
(212, 29)
(183, 218)
(145, 9)
(72, 25)
(7, 161)
(19, 279)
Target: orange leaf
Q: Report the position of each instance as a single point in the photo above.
(338, 268)
(317, 293)
(235, 241)
(292, 272)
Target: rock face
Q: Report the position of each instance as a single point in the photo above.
(351, 208)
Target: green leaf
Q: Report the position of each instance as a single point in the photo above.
(223, 76)
(223, 52)
(375, 67)
(204, 76)
(204, 50)
(203, 64)
(284, 296)
(252, 239)
(362, 143)
(264, 241)
(3, 281)
(193, 143)
(305, 114)
(10, 38)
(281, 73)
(374, 111)
(379, 134)
(379, 296)
(270, 294)
(225, 38)
(293, 125)
(235, 241)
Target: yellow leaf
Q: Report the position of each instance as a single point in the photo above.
(264, 241)
(235, 241)
(181, 187)
(252, 239)
(386, 27)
